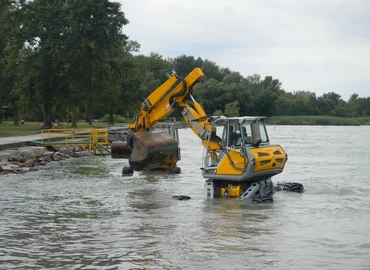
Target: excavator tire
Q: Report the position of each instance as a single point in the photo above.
(259, 199)
(293, 187)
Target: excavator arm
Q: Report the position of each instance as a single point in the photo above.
(157, 149)
(164, 100)
(197, 120)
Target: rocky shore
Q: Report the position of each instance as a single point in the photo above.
(25, 159)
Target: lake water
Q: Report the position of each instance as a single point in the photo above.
(81, 213)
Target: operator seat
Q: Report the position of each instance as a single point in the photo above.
(231, 138)
(247, 139)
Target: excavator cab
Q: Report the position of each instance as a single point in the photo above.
(245, 157)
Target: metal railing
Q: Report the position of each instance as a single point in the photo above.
(96, 140)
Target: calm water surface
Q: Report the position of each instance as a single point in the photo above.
(82, 214)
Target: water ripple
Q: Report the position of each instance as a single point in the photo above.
(81, 214)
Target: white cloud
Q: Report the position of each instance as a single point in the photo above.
(319, 46)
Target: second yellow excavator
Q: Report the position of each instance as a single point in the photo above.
(239, 160)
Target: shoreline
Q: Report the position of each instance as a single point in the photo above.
(29, 158)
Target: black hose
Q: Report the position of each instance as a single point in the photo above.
(180, 93)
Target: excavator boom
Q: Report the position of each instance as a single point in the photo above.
(151, 149)
(163, 100)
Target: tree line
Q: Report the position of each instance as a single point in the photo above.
(70, 59)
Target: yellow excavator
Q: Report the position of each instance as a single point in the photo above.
(239, 160)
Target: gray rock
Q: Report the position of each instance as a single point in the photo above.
(24, 159)
(29, 163)
(24, 169)
(8, 168)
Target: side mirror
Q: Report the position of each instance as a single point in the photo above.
(256, 134)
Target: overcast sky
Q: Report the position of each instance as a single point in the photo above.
(315, 45)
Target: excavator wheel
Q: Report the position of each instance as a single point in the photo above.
(259, 199)
(293, 187)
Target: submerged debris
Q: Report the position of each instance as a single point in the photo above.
(291, 186)
(181, 197)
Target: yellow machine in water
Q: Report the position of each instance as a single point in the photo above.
(239, 160)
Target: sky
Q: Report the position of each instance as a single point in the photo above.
(315, 45)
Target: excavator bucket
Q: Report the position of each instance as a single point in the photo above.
(153, 149)
(120, 150)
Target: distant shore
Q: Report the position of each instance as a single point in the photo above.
(317, 121)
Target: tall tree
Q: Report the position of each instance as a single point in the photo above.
(184, 64)
(6, 78)
(232, 109)
(212, 70)
(67, 50)
(328, 103)
(36, 48)
(95, 49)
(266, 103)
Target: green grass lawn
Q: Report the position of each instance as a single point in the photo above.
(7, 128)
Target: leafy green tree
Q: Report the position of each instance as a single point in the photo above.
(209, 95)
(131, 92)
(233, 77)
(283, 104)
(266, 103)
(352, 107)
(367, 105)
(218, 112)
(271, 84)
(333, 97)
(183, 64)
(212, 70)
(232, 109)
(142, 75)
(154, 69)
(358, 107)
(35, 52)
(328, 102)
(4, 7)
(254, 79)
(340, 111)
(121, 96)
(159, 66)
(95, 49)
(67, 51)
(239, 88)
(303, 103)
(7, 78)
